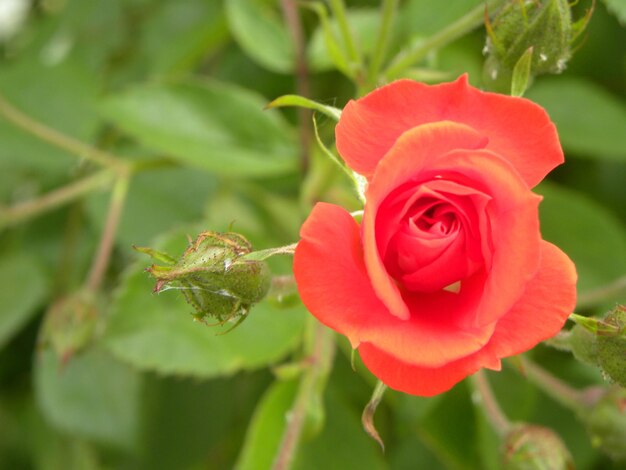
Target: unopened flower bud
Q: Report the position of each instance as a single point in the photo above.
(544, 25)
(602, 342)
(531, 447)
(606, 422)
(70, 324)
(583, 345)
(611, 348)
(214, 276)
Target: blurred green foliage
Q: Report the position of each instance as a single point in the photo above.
(178, 89)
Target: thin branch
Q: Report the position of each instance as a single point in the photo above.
(292, 19)
(101, 260)
(594, 296)
(453, 31)
(26, 210)
(492, 409)
(553, 386)
(388, 10)
(320, 360)
(53, 137)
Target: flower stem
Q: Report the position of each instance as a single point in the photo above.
(292, 19)
(595, 296)
(26, 210)
(339, 12)
(101, 260)
(453, 31)
(320, 359)
(490, 405)
(388, 10)
(53, 137)
(553, 386)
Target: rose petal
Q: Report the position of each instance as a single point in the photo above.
(544, 308)
(518, 129)
(512, 214)
(423, 381)
(406, 159)
(334, 286)
(549, 299)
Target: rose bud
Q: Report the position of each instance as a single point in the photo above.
(544, 25)
(606, 422)
(446, 273)
(583, 345)
(530, 447)
(214, 277)
(611, 348)
(602, 343)
(70, 324)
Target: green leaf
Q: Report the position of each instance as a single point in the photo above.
(92, 396)
(187, 423)
(157, 332)
(591, 122)
(157, 202)
(195, 29)
(448, 429)
(266, 427)
(586, 231)
(23, 288)
(302, 102)
(521, 73)
(207, 124)
(63, 101)
(618, 8)
(260, 32)
(343, 425)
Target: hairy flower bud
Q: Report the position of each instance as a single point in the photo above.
(544, 25)
(70, 324)
(214, 276)
(611, 348)
(531, 447)
(606, 422)
(602, 342)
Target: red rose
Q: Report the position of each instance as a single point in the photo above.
(447, 272)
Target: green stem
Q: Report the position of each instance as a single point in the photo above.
(101, 260)
(595, 296)
(292, 19)
(53, 137)
(26, 210)
(492, 409)
(388, 10)
(553, 386)
(339, 12)
(462, 26)
(320, 359)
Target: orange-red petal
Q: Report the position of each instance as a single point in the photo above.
(549, 298)
(423, 381)
(334, 286)
(518, 129)
(408, 157)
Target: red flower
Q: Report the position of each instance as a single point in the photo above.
(447, 272)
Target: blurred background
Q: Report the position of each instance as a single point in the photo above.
(96, 372)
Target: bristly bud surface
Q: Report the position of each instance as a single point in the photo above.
(213, 276)
(546, 26)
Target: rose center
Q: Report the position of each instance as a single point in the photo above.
(438, 221)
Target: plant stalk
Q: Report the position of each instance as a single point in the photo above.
(494, 413)
(26, 210)
(103, 255)
(57, 139)
(453, 31)
(323, 348)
